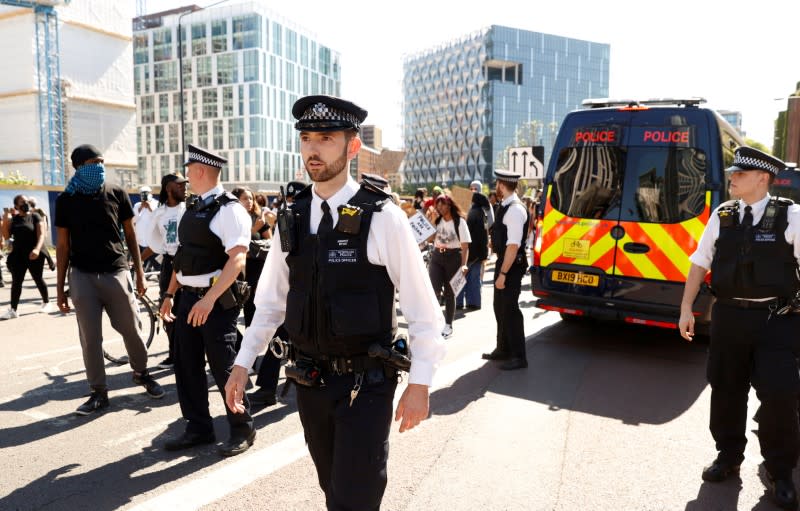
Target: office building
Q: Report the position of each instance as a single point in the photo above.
(468, 101)
(243, 66)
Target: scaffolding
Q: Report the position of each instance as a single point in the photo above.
(50, 96)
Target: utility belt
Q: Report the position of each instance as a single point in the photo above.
(775, 306)
(235, 296)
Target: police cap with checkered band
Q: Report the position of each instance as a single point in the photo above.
(327, 113)
(199, 155)
(748, 158)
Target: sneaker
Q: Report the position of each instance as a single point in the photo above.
(97, 401)
(167, 363)
(448, 331)
(152, 387)
(9, 314)
(48, 308)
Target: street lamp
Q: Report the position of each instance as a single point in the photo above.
(180, 71)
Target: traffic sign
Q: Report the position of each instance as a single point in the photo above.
(526, 162)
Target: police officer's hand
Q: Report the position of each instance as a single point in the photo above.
(686, 324)
(234, 389)
(165, 311)
(413, 406)
(200, 311)
(500, 283)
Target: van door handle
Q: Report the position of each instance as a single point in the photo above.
(636, 248)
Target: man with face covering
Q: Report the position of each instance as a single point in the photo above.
(91, 216)
(331, 282)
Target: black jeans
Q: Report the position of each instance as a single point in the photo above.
(749, 349)
(215, 340)
(441, 269)
(349, 444)
(19, 266)
(163, 284)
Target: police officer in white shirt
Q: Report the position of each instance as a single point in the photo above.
(509, 232)
(333, 284)
(752, 248)
(214, 235)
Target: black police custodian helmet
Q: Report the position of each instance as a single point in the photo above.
(327, 113)
(748, 158)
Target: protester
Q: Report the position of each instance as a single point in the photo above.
(26, 255)
(46, 228)
(478, 224)
(419, 199)
(450, 254)
(91, 217)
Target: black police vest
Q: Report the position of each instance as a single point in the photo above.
(338, 302)
(755, 262)
(200, 250)
(500, 235)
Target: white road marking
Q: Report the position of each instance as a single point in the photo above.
(256, 464)
(63, 350)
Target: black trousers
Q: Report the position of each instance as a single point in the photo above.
(748, 349)
(349, 444)
(270, 368)
(441, 269)
(163, 284)
(215, 340)
(510, 323)
(19, 266)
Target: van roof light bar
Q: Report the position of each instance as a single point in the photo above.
(608, 102)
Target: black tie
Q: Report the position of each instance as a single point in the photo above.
(326, 224)
(747, 221)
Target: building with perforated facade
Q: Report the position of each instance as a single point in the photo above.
(468, 101)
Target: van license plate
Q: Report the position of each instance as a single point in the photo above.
(580, 279)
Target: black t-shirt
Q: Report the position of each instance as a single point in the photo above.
(23, 228)
(95, 228)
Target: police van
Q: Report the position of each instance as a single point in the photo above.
(787, 183)
(627, 194)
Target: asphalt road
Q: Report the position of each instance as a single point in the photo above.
(607, 417)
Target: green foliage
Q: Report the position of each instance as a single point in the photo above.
(757, 145)
(14, 178)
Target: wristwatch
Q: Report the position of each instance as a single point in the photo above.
(169, 295)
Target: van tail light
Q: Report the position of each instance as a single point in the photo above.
(537, 246)
(563, 310)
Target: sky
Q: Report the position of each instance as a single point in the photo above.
(738, 55)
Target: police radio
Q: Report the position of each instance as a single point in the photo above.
(286, 226)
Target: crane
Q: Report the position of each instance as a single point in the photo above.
(48, 70)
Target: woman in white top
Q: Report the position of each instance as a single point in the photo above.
(450, 253)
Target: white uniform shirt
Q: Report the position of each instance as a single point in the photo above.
(163, 237)
(706, 247)
(390, 243)
(446, 234)
(514, 219)
(142, 221)
(232, 225)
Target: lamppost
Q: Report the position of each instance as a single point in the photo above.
(180, 71)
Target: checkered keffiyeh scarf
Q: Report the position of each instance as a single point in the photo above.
(88, 179)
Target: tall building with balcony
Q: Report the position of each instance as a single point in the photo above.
(243, 68)
(468, 101)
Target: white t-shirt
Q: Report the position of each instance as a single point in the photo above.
(446, 234)
(163, 238)
(142, 221)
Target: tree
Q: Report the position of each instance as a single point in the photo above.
(757, 145)
(15, 178)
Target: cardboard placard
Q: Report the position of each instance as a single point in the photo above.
(458, 281)
(421, 227)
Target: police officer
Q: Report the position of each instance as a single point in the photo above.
(752, 247)
(509, 232)
(331, 282)
(214, 235)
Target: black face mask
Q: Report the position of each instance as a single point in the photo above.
(24, 207)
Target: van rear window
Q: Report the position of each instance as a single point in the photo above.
(649, 183)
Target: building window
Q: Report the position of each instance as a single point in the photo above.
(159, 139)
(174, 142)
(178, 161)
(227, 102)
(139, 140)
(164, 76)
(141, 51)
(187, 134)
(162, 44)
(256, 107)
(199, 39)
(503, 71)
(209, 103)
(146, 78)
(290, 71)
(291, 45)
(204, 76)
(219, 36)
(246, 32)
(176, 106)
(187, 74)
(164, 165)
(324, 60)
(148, 139)
(303, 51)
(277, 39)
(163, 108)
(250, 66)
(227, 68)
(236, 133)
(219, 134)
(137, 80)
(202, 134)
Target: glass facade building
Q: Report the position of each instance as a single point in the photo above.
(468, 101)
(243, 69)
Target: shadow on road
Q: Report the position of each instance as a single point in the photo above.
(634, 374)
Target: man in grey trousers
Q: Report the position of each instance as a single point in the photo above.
(91, 216)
